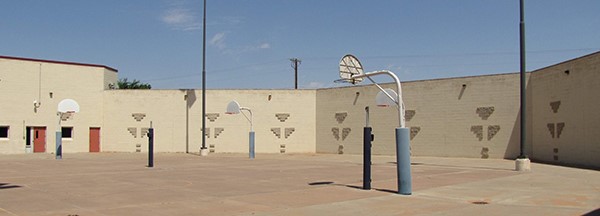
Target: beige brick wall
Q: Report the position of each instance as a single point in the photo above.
(22, 82)
(445, 119)
(473, 117)
(177, 117)
(566, 122)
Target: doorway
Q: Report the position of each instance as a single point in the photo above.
(39, 139)
(94, 139)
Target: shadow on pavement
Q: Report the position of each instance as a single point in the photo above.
(8, 186)
(349, 186)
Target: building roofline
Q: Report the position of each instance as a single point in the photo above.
(567, 61)
(58, 62)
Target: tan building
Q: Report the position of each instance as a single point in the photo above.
(475, 117)
(31, 90)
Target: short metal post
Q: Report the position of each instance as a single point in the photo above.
(151, 147)
(403, 161)
(367, 138)
(251, 146)
(58, 144)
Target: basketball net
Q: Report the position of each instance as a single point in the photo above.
(66, 116)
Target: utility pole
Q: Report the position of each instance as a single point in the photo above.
(295, 63)
(203, 149)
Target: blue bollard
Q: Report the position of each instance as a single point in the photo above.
(58, 144)
(251, 150)
(403, 161)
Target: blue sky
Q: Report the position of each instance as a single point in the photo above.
(249, 42)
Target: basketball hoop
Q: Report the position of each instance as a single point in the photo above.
(350, 67)
(66, 115)
(351, 71)
(66, 109)
(386, 98)
(347, 80)
(234, 108)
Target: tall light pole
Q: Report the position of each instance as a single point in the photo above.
(203, 149)
(523, 84)
(522, 163)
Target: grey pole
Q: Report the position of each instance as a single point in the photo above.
(204, 78)
(523, 80)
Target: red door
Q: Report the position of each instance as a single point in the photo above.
(94, 139)
(39, 139)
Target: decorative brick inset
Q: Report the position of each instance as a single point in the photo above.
(414, 131)
(138, 147)
(551, 129)
(288, 132)
(212, 117)
(207, 132)
(409, 114)
(336, 133)
(138, 116)
(282, 148)
(282, 116)
(484, 112)
(559, 128)
(340, 117)
(485, 152)
(132, 131)
(478, 131)
(218, 131)
(144, 132)
(555, 105)
(340, 149)
(492, 131)
(345, 133)
(277, 132)
(211, 148)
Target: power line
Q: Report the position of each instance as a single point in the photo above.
(278, 61)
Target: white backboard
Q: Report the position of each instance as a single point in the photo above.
(68, 106)
(233, 108)
(382, 100)
(350, 66)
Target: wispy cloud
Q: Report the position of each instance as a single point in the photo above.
(179, 17)
(264, 46)
(218, 41)
(226, 21)
(318, 85)
(394, 67)
(247, 49)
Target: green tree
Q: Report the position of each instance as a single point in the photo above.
(135, 84)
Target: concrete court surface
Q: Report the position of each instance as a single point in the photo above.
(291, 184)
